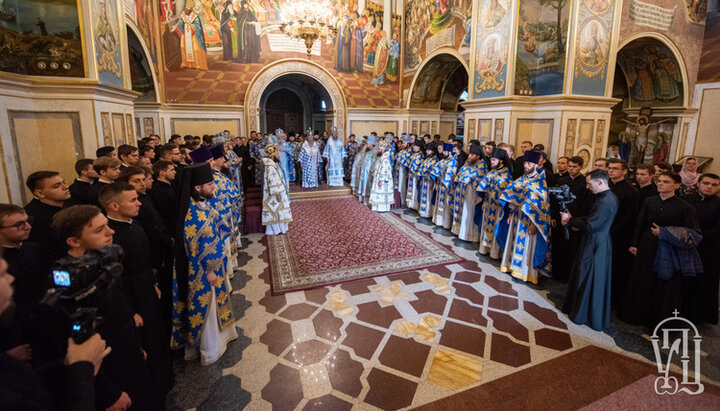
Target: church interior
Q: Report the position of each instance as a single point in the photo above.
(353, 309)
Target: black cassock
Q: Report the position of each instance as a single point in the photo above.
(588, 297)
(622, 230)
(648, 299)
(139, 285)
(706, 294)
(564, 251)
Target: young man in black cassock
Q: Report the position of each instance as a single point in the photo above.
(80, 188)
(707, 204)
(644, 183)
(51, 193)
(588, 297)
(121, 203)
(564, 250)
(648, 299)
(623, 225)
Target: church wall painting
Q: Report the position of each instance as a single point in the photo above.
(41, 38)
(220, 45)
(592, 51)
(107, 38)
(146, 22)
(491, 45)
(653, 75)
(543, 27)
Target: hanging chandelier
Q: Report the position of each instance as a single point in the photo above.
(308, 21)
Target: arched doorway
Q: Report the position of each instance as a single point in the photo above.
(323, 83)
(140, 72)
(651, 82)
(441, 83)
(295, 102)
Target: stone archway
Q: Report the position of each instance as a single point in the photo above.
(295, 89)
(283, 67)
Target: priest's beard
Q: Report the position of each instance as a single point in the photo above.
(471, 162)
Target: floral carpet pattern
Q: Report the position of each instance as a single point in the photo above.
(328, 242)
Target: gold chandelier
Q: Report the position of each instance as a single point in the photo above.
(308, 21)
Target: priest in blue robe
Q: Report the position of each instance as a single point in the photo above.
(309, 160)
(412, 200)
(365, 178)
(334, 153)
(523, 233)
(491, 188)
(203, 321)
(465, 199)
(426, 182)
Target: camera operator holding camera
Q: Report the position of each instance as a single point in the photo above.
(22, 388)
(88, 276)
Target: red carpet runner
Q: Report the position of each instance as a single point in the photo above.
(336, 240)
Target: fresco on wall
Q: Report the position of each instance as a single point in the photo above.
(696, 10)
(541, 47)
(491, 49)
(432, 24)
(653, 75)
(442, 72)
(41, 38)
(233, 39)
(107, 43)
(146, 23)
(596, 19)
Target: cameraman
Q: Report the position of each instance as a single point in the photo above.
(126, 379)
(22, 388)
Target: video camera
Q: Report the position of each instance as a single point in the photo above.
(75, 280)
(564, 197)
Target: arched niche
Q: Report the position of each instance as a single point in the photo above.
(146, 55)
(272, 72)
(432, 78)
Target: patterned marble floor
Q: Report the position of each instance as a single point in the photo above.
(392, 342)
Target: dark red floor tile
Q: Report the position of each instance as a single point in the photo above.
(557, 340)
(466, 291)
(545, 315)
(298, 311)
(277, 337)
(441, 271)
(470, 265)
(463, 338)
(374, 314)
(429, 302)
(505, 323)
(468, 277)
(327, 325)
(388, 391)
(362, 340)
(503, 287)
(359, 286)
(307, 352)
(273, 303)
(407, 278)
(316, 295)
(405, 354)
(327, 403)
(504, 350)
(344, 373)
(284, 390)
(503, 303)
(463, 311)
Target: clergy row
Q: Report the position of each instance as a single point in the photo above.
(517, 221)
(178, 226)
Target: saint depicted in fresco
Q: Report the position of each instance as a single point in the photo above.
(592, 48)
(442, 16)
(356, 47)
(494, 12)
(492, 58)
(210, 24)
(248, 37)
(394, 57)
(667, 75)
(192, 41)
(226, 30)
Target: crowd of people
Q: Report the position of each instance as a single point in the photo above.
(644, 247)
(172, 215)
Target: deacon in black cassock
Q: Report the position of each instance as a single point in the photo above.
(588, 297)
(707, 204)
(121, 203)
(108, 170)
(623, 226)
(563, 250)
(648, 299)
